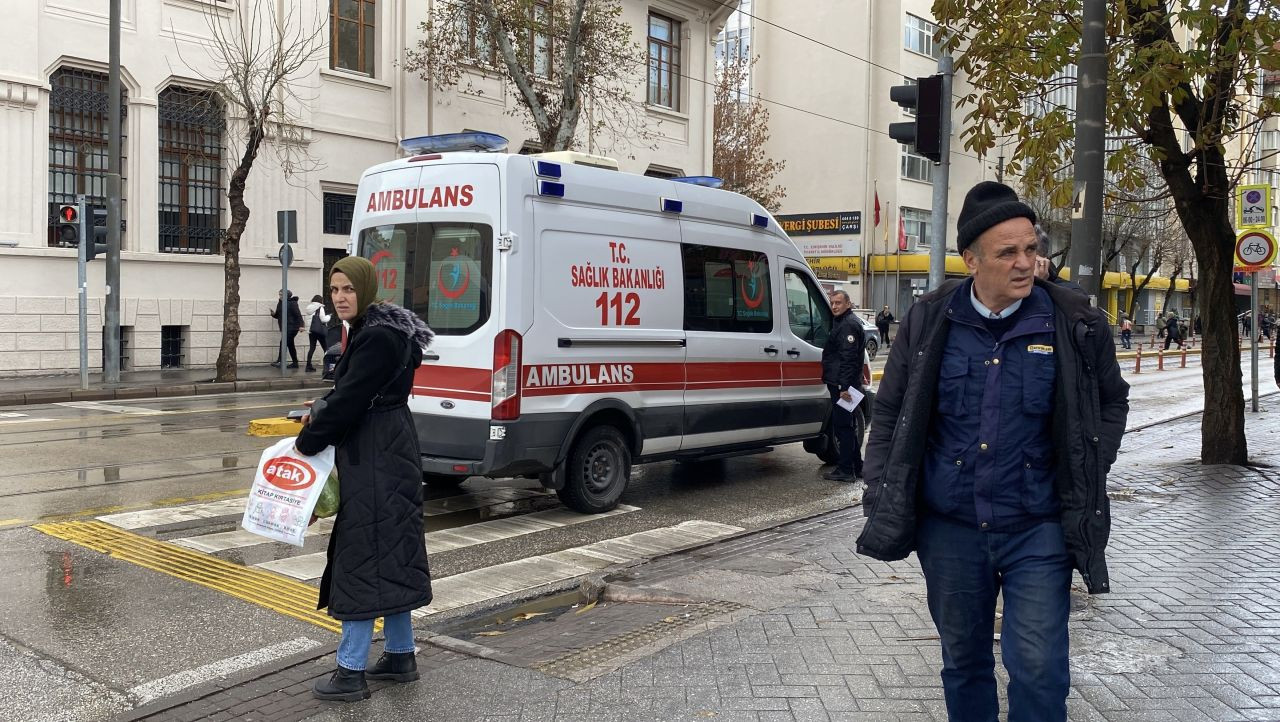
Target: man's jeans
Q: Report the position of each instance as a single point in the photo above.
(964, 569)
(847, 442)
(353, 650)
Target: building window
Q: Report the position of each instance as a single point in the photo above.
(916, 167)
(78, 142)
(537, 50)
(915, 223)
(171, 344)
(338, 209)
(664, 62)
(1271, 139)
(918, 36)
(191, 126)
(351, 41)
(480, 47)
(910, 112)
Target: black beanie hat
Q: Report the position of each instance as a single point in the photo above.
(985, 205)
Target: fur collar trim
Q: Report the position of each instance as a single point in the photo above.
(400, 319)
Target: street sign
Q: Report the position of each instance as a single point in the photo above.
(286, 255)
(1253, 206)
(1255, 250)
(287, 226)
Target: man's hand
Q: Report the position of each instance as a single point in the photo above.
(1042, 268)
(307, 419)
(845, 396)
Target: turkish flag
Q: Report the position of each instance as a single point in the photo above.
(877, 223)
(902, 235)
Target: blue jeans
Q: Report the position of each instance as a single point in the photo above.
(353, 650)
(964, 569)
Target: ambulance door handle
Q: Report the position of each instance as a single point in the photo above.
(771, 350)
(429, 356)
(793, 353)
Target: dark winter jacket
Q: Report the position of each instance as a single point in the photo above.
(1090, 407)
(295, 315)
(377, 559)
(884, 320)
(842, 355)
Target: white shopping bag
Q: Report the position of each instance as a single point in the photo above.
(285, 490)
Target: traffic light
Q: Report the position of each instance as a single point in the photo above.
(97, 241)
(925, 132)
(68, 231)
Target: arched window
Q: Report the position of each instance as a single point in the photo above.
(190, 202)
(78, 141)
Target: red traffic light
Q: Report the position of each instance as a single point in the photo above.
(67, 214)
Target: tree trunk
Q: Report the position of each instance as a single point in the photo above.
(227, 364)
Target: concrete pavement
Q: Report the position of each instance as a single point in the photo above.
(789, 624)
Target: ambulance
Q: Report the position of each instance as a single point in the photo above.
(587, 319)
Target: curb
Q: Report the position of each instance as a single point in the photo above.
(53, 396)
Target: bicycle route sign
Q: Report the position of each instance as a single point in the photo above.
(1255, 250)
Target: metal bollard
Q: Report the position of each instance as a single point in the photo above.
(1137, 361)
(1184, 358)
(1160, 361)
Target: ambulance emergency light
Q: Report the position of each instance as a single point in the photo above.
(708, 181)
(454, 143)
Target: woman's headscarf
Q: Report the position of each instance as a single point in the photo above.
(363, 278)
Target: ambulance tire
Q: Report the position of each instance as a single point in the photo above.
(442, 481)
(596, 471)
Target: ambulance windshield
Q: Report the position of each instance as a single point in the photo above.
(441, 271)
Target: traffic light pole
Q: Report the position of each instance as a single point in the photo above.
(941, 179)
(111, 364)
(1091, 113)
(82, 288)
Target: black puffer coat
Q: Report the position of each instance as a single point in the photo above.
(377, 560)
(1091, 402)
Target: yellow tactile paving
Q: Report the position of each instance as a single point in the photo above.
(275, 426)
(265, 589)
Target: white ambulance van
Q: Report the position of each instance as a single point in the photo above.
(588, 319)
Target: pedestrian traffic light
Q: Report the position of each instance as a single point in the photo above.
(68, 231)
(925, 132)
(96, 242)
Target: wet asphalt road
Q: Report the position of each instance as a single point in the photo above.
(86, 635)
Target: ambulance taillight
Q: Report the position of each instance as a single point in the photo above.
(506, 376)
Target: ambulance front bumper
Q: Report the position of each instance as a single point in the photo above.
(523, 447)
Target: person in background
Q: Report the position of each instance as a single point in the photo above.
(884, 320)
(317, 329)
(841, 369)
(999, 414)
(376, 564)
(292, 316)
(1126, 331)
(1172, 330)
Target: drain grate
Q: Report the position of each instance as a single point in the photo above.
(610, 649)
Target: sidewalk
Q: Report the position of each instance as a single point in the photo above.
(790, 624)
(20, 390)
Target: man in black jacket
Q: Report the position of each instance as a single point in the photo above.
(999, 414)
(293, 316)
(842, 369)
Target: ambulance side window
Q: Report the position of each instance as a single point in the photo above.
(807, 309)
(726, 289)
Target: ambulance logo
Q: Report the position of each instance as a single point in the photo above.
(752, 286)
(453, 278)
(288, 473)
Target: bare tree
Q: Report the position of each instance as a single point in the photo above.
(260, 54)
(562, 60)
(741, 134)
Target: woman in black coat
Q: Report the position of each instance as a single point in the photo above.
(377, 558)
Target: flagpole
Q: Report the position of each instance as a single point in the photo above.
(897, 258)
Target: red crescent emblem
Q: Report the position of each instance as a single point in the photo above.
(379, 257)
(752, 302)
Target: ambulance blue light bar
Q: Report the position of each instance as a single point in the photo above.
(454, 143)
(547, 170)
(708, 181)
(671, 205)
(551, 188)
(759, 221)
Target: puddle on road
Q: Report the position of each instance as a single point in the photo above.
(1110, 653)
(456, 519)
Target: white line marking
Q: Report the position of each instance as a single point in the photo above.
(240, 538)
(111, 408)
(182, 680)
(480, 585)
(306, 567)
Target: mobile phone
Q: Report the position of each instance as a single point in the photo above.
(297, 414)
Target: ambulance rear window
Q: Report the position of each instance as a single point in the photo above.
(441, 271)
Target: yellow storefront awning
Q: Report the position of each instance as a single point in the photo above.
(915, 263)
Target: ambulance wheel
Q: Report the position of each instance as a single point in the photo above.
(824, 447)
(596, 472)
(442, 481)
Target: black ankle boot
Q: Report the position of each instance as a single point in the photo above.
(397, 666)
(346, 685)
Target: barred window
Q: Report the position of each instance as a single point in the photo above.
(918, 36)
(664, 62)
(351, 35)
(338, 209)
(190, 202)
(78, 142)
(916, 167)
